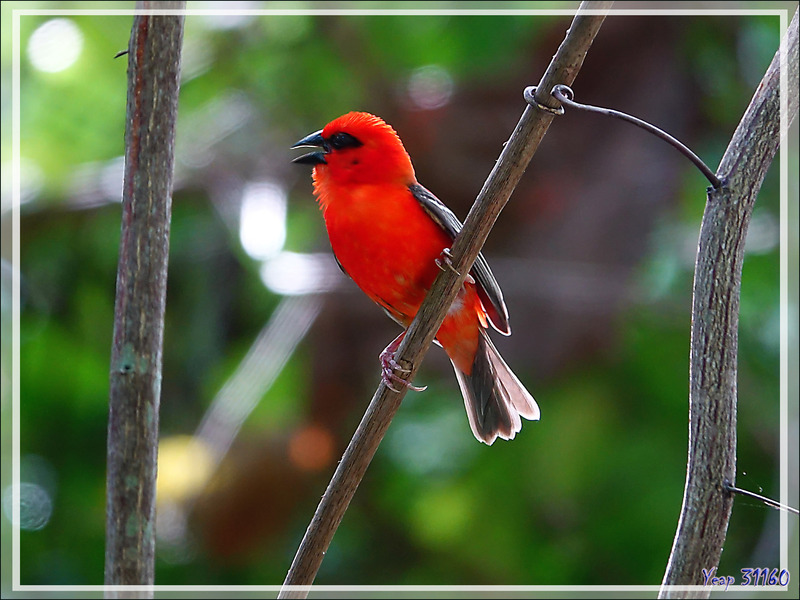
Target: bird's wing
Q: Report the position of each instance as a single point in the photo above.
(488, 289)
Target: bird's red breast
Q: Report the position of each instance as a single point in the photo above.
(381, 235)
(388, 233)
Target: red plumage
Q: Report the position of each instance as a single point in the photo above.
(387, 233)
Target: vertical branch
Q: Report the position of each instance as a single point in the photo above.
(152, 106)
(715, 319)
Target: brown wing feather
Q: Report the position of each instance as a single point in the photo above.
(488, 289)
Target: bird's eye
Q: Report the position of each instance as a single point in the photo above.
(343, 140)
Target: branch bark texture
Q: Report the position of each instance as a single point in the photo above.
(707, 504)
(154, 54)
(496, 191)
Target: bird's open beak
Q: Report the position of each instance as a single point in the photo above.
(313, 140)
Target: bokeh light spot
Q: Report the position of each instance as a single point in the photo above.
(35, 506)
(430, 87)
(296, 273)
(311, 448)
(185, 464)
(55, 45)
(262, 220)
(232, 15)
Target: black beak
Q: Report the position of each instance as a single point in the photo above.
(313, 140)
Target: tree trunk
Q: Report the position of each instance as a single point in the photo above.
(153, 83)
(715, 321)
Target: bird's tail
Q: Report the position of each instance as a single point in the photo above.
(494, 398)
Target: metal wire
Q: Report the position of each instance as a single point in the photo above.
(565, 95)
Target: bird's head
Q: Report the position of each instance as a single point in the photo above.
(358, 148)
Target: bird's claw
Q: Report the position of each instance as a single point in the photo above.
(389, 373)
(445, 263)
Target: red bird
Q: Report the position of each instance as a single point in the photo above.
(389, 234)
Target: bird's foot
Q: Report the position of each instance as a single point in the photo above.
(392, 372)
(445, 263)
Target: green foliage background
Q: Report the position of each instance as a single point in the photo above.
(590, 495)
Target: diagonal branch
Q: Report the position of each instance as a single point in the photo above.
(715, 320)
(507, 172)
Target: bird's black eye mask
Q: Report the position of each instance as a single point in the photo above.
(341, 140)
(337, 141)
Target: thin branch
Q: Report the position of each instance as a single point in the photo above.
(715, 318)
(153, 82)
(508, 170)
